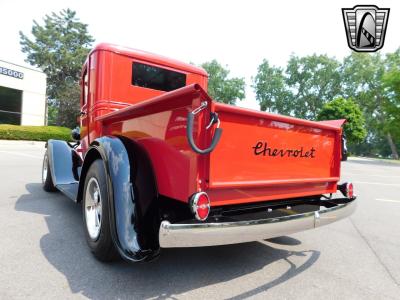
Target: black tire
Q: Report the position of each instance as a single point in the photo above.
(101, 245)
(47, 180)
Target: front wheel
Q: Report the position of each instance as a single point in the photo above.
(96, 213)
(47, 181)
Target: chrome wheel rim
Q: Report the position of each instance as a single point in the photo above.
(44, 169)
(93, 208)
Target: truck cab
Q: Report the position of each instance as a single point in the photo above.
(115, 77)
(159, 164)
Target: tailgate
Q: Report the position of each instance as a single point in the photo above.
(268, 156)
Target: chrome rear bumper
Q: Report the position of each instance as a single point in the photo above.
(212, 234)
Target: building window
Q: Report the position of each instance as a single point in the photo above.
(10, 106)
(156, 78)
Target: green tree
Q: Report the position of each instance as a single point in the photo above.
(302, 89)
(222, 88)
(59, 47)
(314, 80)
(363, 79)
(310, 82)
(271, 90)
(69, 104)
(391, 83)
(341, 108)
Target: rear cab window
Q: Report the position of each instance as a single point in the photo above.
(156, 78)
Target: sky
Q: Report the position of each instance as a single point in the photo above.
(239, 34)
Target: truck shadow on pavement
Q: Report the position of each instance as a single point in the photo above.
(177, 271)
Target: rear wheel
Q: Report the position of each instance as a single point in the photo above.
(47, 181)
(96, 213)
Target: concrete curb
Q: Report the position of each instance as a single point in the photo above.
(21, 143)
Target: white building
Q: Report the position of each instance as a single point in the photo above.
(22, 95)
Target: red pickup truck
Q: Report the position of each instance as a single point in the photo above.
(158, 164)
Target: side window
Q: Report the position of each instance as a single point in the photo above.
(85, 87)
(156, 78)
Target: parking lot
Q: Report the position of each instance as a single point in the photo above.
(43, 253)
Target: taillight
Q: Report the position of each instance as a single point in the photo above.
(350, 190)
(347, 190)
(200, 205)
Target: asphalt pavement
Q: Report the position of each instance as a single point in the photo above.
(43, 253)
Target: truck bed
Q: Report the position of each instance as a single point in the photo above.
(261, 156)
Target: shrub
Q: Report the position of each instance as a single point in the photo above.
(34, 133)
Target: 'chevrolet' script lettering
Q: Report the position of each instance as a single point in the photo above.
(261, 148)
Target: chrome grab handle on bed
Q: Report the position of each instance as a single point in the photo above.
(189, 130)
